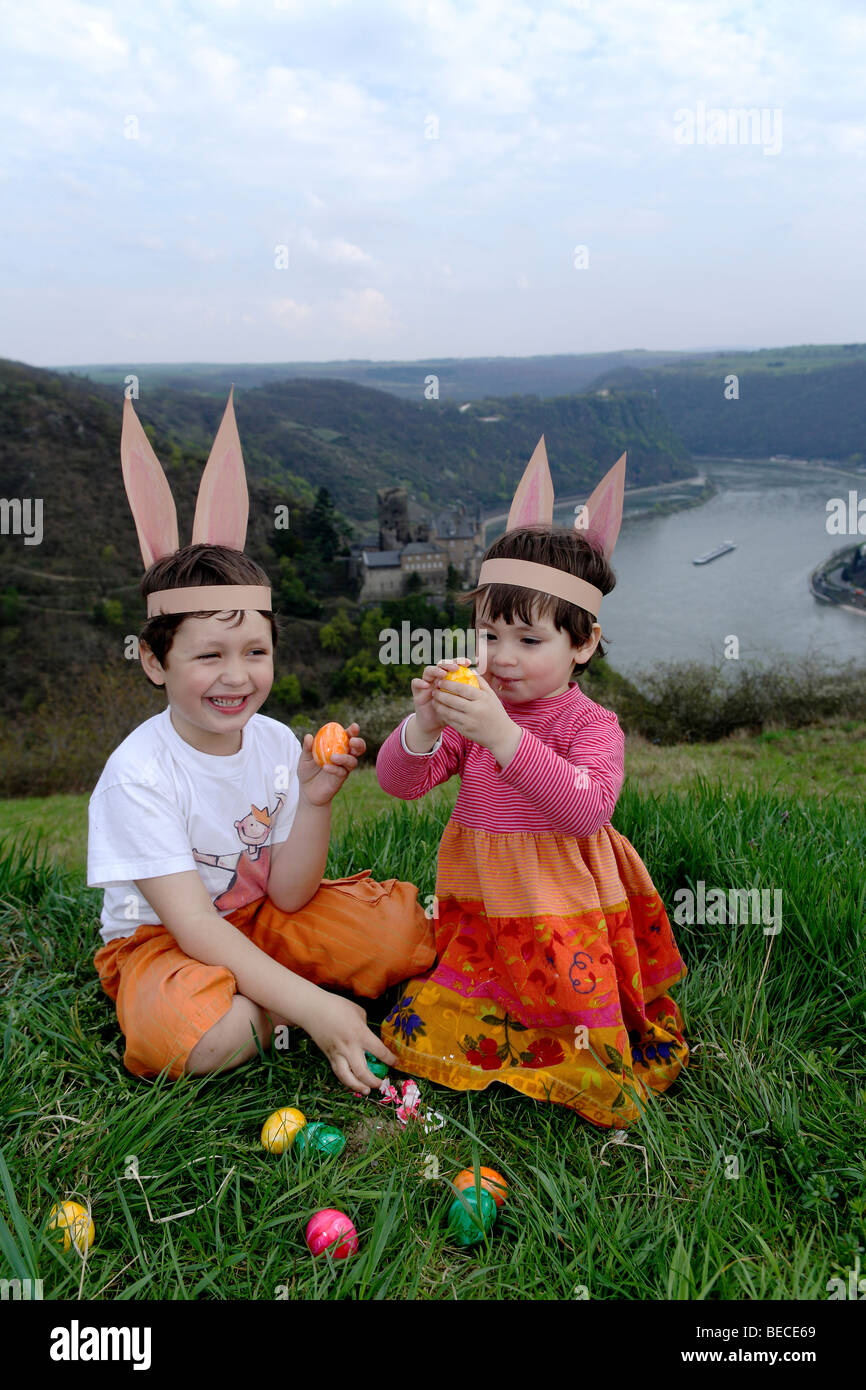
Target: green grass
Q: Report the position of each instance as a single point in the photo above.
(776, 1081)
(826, 760)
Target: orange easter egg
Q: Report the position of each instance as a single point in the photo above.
(463, 676)
(331, 739)
(491, 1182)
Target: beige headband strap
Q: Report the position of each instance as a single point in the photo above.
(545, 579)
(209, 598)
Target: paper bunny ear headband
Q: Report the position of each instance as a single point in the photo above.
(221, 514)
(533, 506)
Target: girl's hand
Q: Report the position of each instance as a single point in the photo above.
(339, 1027)
(320, 785)
(426, 716)
(477, 714)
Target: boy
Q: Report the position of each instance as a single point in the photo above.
(209, 832)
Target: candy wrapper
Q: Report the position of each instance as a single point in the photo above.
(408, 1102)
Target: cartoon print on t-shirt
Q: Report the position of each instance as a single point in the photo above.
(250, 868)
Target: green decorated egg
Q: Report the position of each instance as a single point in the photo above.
(466, 1230)
(326, 1139)
(377, 1068)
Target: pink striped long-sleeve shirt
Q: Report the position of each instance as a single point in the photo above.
(565, 775)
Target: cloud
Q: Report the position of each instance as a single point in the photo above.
(366, 313)
(333, 251)
(267, 123)
(288, 312)
(83, 37)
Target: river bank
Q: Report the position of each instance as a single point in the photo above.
(659, 508)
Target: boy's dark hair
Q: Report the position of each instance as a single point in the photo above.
(563, 550)
(192, 566)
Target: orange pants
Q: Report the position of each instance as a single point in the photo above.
(354, 933)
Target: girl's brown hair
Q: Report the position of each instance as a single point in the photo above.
(562, 550)
(190, 567)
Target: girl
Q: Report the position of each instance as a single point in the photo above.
(555, 953)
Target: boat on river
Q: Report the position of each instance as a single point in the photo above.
(714, 554)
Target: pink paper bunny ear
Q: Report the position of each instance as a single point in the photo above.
(223, 505)
(604, 509)
(533, 500)
(147, 488)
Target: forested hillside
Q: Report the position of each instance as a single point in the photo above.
(321, 448)
(804, 401)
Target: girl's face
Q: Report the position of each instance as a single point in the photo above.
(528, 663)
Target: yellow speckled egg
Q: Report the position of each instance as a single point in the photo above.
(74, 1221)
(463, 676)
(279, 1129)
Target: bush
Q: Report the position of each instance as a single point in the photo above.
(10, 606)
(109, 613)
(690, 703)
(286, 692)
(64, 747)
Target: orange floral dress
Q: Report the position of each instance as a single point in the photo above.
(555, 953)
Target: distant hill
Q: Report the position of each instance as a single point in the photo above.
(459, 378)
(67, 602)
(804, 402)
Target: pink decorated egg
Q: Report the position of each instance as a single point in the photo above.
(332, 1230)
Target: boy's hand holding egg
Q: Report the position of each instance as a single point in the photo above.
(326, 761)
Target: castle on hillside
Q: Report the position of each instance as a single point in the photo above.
(411, 542)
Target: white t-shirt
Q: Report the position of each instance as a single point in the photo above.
(162, 807)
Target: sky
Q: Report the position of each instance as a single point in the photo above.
(311, 180)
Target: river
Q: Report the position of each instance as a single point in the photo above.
(664, 608)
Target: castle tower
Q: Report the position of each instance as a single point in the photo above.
(393, 507)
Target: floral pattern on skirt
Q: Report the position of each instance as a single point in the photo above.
(555, 955)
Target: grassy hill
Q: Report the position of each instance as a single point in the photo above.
(825, 761)
(774, 1081)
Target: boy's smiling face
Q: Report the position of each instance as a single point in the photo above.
(216, 676)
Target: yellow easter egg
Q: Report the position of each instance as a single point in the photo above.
(463, 676)
(75, 1223)
(280, 1129)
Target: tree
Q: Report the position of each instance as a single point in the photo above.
(322, 529)
(293, 595)
(286, 691)
(339, 633)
